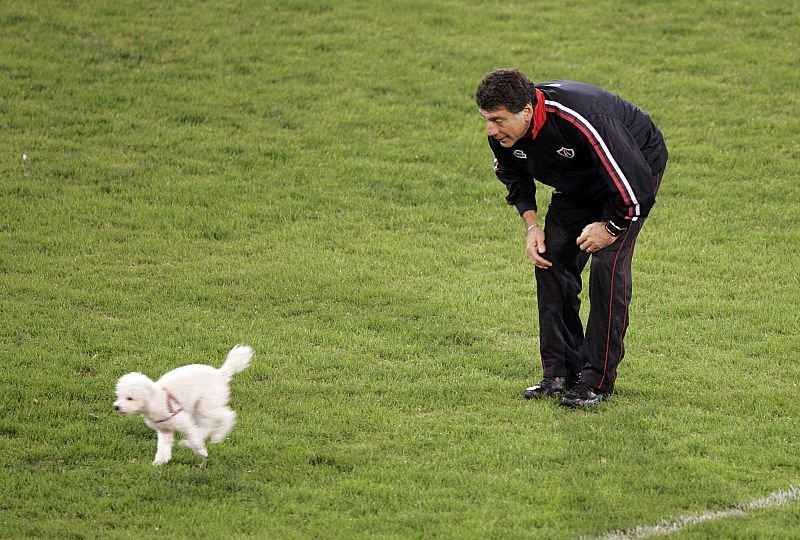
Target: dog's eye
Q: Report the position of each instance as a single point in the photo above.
(130, 399)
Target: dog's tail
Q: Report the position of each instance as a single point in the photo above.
(237, 360)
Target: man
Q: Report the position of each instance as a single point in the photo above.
(605, 159)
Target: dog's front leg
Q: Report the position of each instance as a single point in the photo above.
(164, 450)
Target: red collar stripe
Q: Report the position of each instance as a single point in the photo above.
(539, 114)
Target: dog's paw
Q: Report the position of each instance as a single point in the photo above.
(200, 450)
(160, 460)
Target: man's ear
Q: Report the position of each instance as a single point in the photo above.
(528, 111)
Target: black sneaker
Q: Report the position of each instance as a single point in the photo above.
(582, 395)
(549, 386)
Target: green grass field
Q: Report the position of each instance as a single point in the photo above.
(313, 179)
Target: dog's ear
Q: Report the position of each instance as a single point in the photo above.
(150, 389)
(145, 386)
(136, 385)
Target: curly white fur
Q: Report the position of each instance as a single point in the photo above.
(192, 400)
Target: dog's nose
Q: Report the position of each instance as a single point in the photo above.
(116, 407)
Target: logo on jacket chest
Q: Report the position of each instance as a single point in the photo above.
(566, 152)
(520, 154)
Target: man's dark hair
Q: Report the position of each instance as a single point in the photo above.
(507, 88)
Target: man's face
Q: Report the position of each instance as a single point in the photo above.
(506, 126)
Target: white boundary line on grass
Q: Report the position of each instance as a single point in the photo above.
(776, 498)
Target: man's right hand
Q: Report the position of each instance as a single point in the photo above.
(535, 247)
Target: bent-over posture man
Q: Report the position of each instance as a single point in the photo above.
(605, 158)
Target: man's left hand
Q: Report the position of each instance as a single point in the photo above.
(595, 237)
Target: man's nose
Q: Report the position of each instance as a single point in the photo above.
(491, 129)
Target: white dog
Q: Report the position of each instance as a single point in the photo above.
(190, 399)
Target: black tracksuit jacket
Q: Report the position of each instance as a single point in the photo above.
(594, 147)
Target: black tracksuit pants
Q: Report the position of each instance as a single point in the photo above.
(565, 350)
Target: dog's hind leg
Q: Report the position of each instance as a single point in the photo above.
(164, 450)
(205, 426)
(193, 439)
(225, 423)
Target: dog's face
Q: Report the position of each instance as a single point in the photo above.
(134, 390)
